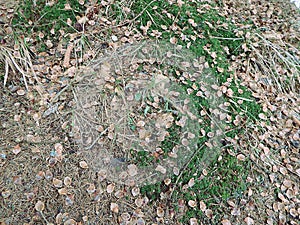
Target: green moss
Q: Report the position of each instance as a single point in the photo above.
(226, 178)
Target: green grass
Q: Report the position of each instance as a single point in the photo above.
(43, 17)
(226, 178)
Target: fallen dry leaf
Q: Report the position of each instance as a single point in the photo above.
(110, 188)
(193, 221)
(249, 221)
(57, 183)
(192, 203)
(17, 149)
(225, 222)
(83, 165)
(160, 212)
(67, 181)
(39, 206)
(114, 207)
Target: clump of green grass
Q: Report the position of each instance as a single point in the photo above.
(42, 16)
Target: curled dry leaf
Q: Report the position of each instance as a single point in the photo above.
(209, 213)
(225, 222)
(191, 182)
(120, 194)
(140, 123)
(57, 182)
(67, 181)
(17, 149)
(138, 202)
(287, 183)
(62, 191)
(85, 219)
(262, 116)
(83, 165)
(67, 56)
(202, 206)
(70, 222)
(69, 200)
(249, 221)
(293, 212)
(5, 194)
(48, 175)
(173, 40)
(167, 181)
(102, 175)
(91, 189)
(235, 212)
(160, 212)
(39, 206)
(135, 191)
(192, 203)
(241, 157)
(114, 207)
(193, 221)
(21, 92)
(110, 188)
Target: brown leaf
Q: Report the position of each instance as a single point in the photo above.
(62, 191)
(17, 149)
(57, 182)
(193, 221)
(192, 203)
(209, 213)
(114, 207)
(225, 222)
(110, 188)
(135, 191)
(83, 165)
(202, 206)
(67, 181)
(241, 157)
(249, 221)
(70, 222)
(39, 206)
(160, 212)
(191, 182)
(91, 189)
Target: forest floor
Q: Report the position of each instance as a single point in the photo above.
(149, 112)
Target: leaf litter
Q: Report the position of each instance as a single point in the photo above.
(274, 159)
